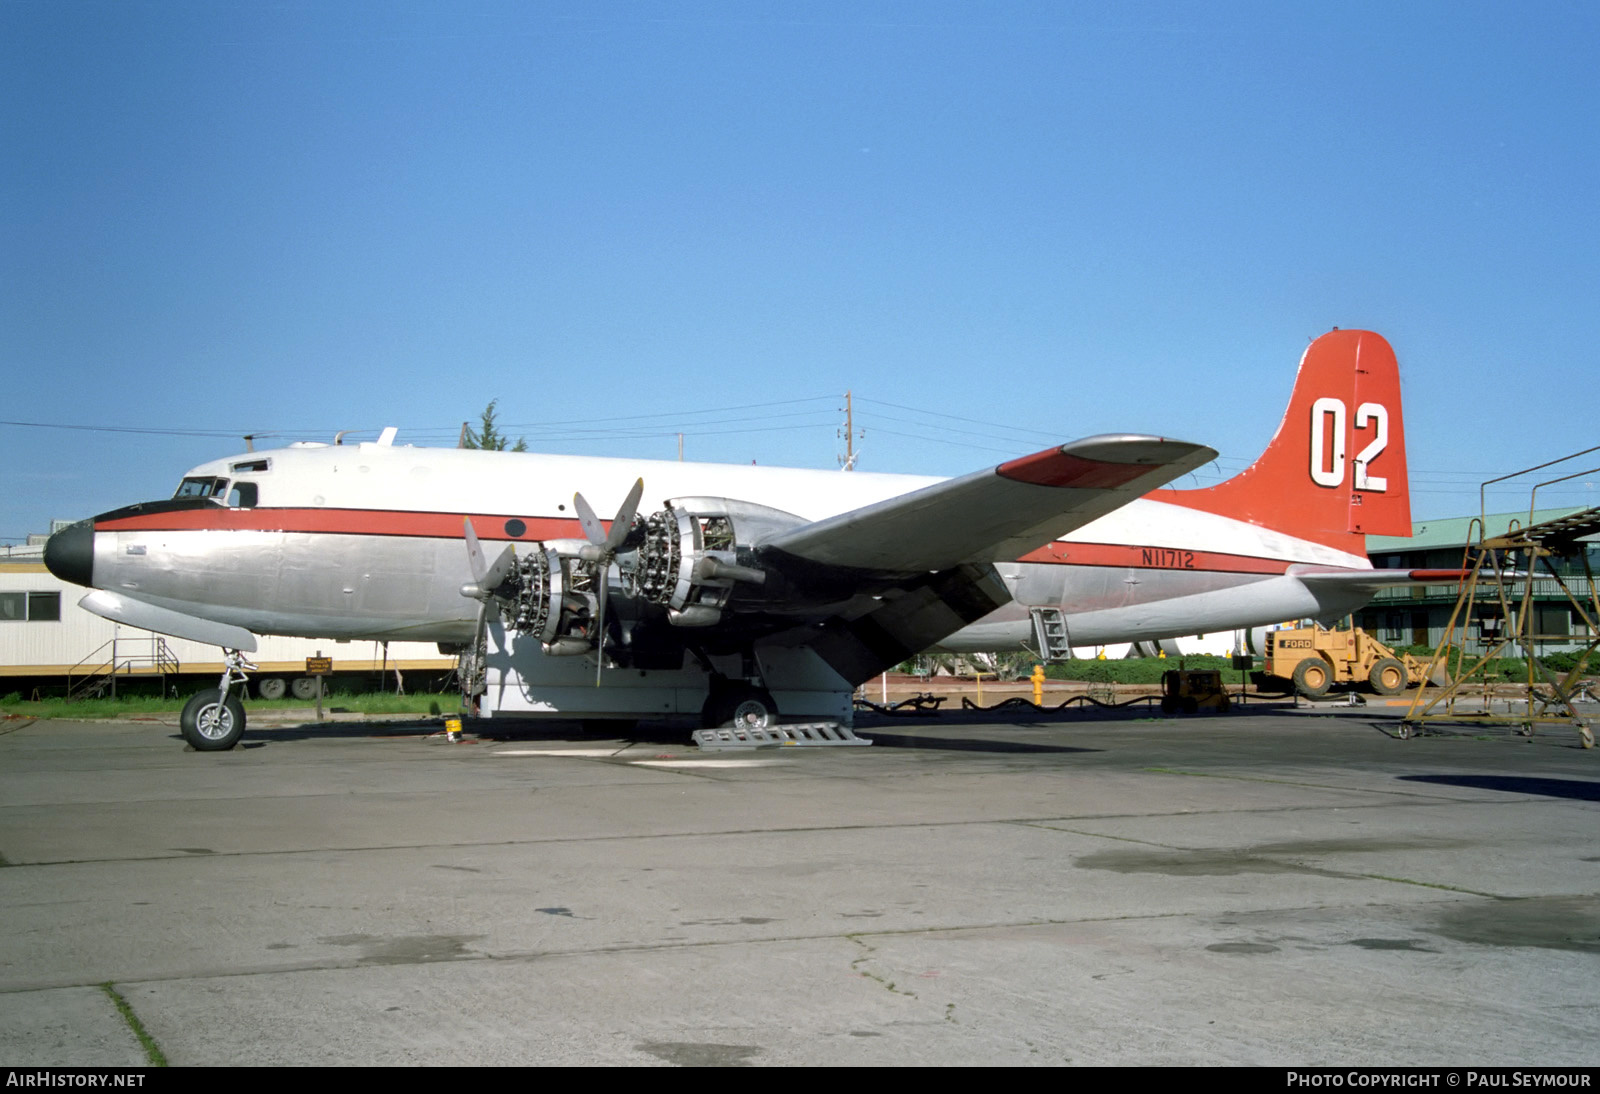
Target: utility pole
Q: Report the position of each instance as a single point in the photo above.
(848, 460)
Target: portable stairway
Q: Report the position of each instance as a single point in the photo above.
(1050, 634)
(1503, 570)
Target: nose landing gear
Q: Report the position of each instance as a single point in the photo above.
(213, 721)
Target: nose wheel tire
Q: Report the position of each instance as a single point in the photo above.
(211, 722)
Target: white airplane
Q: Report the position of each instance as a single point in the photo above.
(750, 592)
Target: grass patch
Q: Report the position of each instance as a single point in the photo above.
(371, 702)
(1137, 670)
(152, 1051)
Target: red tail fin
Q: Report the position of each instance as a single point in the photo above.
(1336, 469)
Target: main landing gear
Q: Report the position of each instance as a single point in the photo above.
(213, 721)
(738, 704)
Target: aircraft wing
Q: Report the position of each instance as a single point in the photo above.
(994, 515)
(930, 553)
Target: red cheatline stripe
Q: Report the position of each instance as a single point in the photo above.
(1053, 467)
(1152, 558)
(390, 522)
(357, 522)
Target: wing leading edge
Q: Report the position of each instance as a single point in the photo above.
(994, 515)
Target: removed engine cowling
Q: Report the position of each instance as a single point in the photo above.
(697, 551)
(555, 600)
(689, 558)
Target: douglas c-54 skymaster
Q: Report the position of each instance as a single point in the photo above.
(747, 592)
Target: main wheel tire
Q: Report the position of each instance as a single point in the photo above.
(211, 723)
(272, 687)
(1313, 678)
(1388, 677)
(745, 706)
(304, 688)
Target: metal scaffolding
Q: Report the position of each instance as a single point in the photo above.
(1498, 596)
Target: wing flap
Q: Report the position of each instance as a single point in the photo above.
(994, 515)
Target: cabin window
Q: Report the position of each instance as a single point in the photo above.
(244, 495)
(205, 487)
(36, 607)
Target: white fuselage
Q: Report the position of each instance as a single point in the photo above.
(365, 541)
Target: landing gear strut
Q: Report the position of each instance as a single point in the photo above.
(213, 721)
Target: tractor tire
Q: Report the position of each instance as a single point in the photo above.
(1388, 677)
(1313, 677)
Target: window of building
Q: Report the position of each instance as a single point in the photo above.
(1393, 628)
(34, 607)
(1555, 620)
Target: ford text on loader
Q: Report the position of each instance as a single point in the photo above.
(743, 592)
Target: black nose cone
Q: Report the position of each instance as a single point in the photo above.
(69, 554)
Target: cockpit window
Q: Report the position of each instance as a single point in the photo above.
(202, 488)
(243, 495)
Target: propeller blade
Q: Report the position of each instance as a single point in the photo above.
(600, 551)
(475, 557)
(600, 617)
(476, 660)
(593, 530)
(499, 571)
(623, 522)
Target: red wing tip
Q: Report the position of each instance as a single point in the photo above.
(1054, 467)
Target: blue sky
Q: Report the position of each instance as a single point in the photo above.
(998, 224)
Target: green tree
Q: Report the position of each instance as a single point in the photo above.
(487, 436)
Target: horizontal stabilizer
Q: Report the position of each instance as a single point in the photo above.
(1373, 580)
(135, 613)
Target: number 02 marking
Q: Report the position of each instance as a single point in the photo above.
(1328, 416)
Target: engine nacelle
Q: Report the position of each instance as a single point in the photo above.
(696, 551)
(554, 601)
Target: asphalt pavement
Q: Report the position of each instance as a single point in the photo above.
(1270, 886)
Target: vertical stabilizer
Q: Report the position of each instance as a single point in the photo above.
(1335, 472)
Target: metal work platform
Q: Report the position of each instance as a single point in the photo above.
(1498, 595)
(801, 734)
